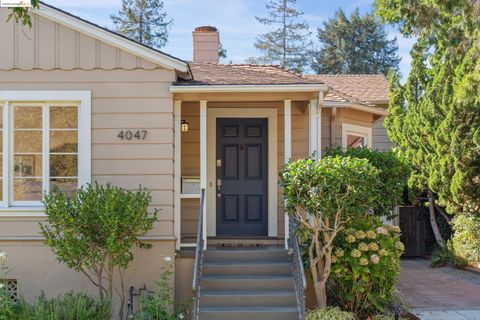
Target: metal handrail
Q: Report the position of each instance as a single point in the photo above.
(198, 264)
(297, 268)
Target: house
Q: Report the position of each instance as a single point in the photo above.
(115, 111)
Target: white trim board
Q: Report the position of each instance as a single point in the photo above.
(248, 88)
(271, 115)
(110, 38)
(365, 132)
(82, 98)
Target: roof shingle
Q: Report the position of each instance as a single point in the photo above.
(370, 89)
(243, 74)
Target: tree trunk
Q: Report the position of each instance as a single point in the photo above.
(433, 220)
(321, 294)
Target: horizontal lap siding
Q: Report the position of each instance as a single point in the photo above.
(121, 100)
(191, 151)
(381, 141)
(351, 116)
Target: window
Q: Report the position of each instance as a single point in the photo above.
(354, 136)
(46, 146)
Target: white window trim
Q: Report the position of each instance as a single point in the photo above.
(361, 131)
(80, 97)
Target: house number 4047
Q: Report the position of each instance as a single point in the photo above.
(132, 135)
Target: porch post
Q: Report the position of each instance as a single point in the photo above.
(319, 124)
(177, 173)
(287, 104)
(203, 162)
(313, 127)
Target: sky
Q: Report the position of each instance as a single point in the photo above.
(235, 20)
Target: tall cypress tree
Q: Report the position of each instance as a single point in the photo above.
(435, 117)
(143, 21)
(287, 44)
(355, 44)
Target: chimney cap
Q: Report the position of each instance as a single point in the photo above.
(206, 29)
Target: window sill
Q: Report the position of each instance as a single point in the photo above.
(22, 212)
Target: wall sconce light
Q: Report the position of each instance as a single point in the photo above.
(184, 125)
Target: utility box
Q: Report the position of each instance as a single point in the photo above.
(190, 185)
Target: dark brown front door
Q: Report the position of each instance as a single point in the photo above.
(241, 178)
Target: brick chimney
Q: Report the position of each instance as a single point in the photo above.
(206, 41)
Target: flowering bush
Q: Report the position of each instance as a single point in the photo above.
(365, 265)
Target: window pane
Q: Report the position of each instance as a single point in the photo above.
(64, 185)
(354, 141)
(27, 166)
(27, 117)
(63, 141)
(63, 117)
(63, 165)
(27, 189)
(28, 141)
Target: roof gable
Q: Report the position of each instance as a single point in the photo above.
(59, 40)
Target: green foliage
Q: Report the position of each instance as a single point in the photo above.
(95, 230)
(159, 306)
(143, 21)
(331, 313)
(440, 257)
(330, 185)
(355, 44)
(7, 307)
(465, 243)
(435, 117)
(286, 44)
(393, 175)
(365, 265)
(22, 15)
(70, 306)
(323, 196)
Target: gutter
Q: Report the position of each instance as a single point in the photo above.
(249, 88)
(376, 110)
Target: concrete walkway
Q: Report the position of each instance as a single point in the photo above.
(439, 293)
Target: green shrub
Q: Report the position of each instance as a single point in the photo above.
(332, 313)
(159, 306)
(70, 306)
(322, 196)
(465, 242)
(366, 265)
(95, 231)
(440, 257)
(393, 176)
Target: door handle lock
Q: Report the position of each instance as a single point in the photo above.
(219, 183)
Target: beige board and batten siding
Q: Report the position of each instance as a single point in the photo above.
(49, 45)
(191, 152)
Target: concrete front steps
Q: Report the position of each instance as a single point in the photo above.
(247, 283)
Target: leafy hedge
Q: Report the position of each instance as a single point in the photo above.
(393, 175)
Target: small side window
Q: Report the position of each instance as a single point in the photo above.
(354, 136)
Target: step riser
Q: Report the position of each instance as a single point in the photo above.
(248, 315)
(258, 256)
(251, 300)
(248, 270)
(247, 284)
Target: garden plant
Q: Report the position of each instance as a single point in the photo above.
(365, 266)
(95, 231)
(323, 196)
